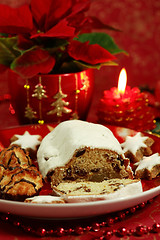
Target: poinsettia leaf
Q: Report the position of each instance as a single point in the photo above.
(103, 39)
(15, 20)
(32, 62)
(7, 51)
(83, 65)
(89, 53)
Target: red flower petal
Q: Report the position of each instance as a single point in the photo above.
(61, 30)
(57, 12)
(80, 6)
(94, 23)
(89, 53)
(15, 20)
(77, 16)
(33, 62)
(47, 13)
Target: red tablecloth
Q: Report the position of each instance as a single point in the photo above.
(145, 216)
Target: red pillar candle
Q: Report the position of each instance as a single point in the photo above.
(125, 106)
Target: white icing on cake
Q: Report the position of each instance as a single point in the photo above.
(93, 191)
(148, 162)
(27, 141)
(44, 199)
(134, 143)
(58, 147)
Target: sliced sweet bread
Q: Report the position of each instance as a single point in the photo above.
(93, 191)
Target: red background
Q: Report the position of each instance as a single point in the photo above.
(139, 22)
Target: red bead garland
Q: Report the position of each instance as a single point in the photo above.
(95, 226)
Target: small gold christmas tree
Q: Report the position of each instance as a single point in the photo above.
(29, 113)
(59, 105)
(39, 91)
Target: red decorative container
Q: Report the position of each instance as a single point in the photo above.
(52, 98)
(130, 110)
(126, 107)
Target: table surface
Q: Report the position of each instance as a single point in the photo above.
(145, 216)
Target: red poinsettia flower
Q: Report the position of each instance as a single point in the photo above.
(42, 36)
(89, 53)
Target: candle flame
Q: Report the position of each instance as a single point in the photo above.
(122, 81)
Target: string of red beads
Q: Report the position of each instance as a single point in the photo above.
(95, 227)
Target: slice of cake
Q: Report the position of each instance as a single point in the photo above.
(137, 146)
(93, 191)
(79, 150)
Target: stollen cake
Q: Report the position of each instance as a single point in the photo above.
(79, 150)
(93, 191)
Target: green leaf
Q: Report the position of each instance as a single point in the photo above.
(96, 66)
(32, 62)
(7, 51)
(103, 39)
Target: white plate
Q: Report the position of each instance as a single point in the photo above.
(75, 210)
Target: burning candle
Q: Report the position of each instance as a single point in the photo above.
(125, 106)
(122, 81)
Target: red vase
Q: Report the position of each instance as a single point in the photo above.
(52, 98)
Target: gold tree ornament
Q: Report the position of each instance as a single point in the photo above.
(75, 116)
(29, 113)
(77, 91)
(85, 82)
(39, 91)
(60, 106)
